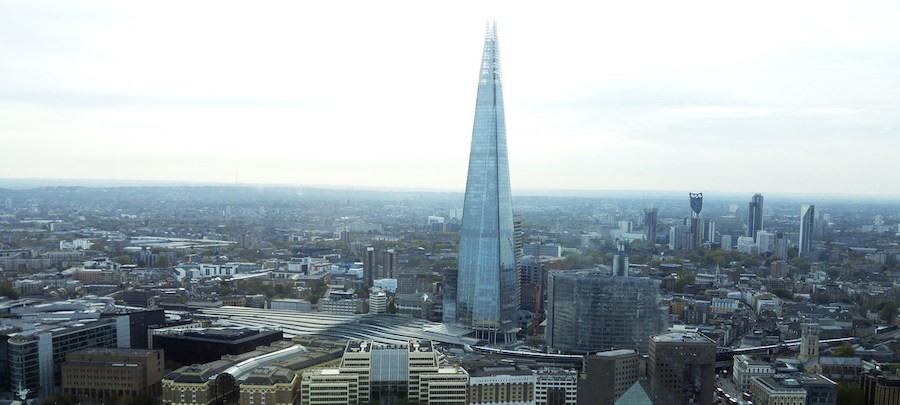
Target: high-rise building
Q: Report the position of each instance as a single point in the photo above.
(696, 222)
(755, 216)
(807, 227)
(369, 266)
(682, 368)
(487, 293)
(620, 259)
(650, 222)
(389, 264)
(605, 376)
(589, 311)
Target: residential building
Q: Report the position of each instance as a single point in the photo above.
(807, 227)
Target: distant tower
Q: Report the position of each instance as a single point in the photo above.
(696, 222)
(620, 259)
(389, 264)
(369, 266)
(809, 347)
(487, 292)
(807, 227)
(650, 222)
(755, 216)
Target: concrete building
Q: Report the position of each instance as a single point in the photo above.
(377, 372)
(777, 389)
(555, 386)
(880, 388)
(500, 385)
(605, 376)
(103, 374)
(745, 368)
(270, 385)
(682, 368)
(203, 345)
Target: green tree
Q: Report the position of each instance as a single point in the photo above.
(162, 261)
(848, 394)
(8, 291)
(888, 312)
(783, 294)
(845, 351)
(124, 259)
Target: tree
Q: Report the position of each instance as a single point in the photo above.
(8, 291)
(848, 394)
(888, 312)
(124, 259)
(162, 261)
(845, 351)
(783, 294)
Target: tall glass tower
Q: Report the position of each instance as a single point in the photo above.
(487, 293)
(755, 216)
(807, 224)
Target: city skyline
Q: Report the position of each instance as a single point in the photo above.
(605, 97)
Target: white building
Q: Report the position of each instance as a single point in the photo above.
(745, 368)
(555, 386)
(377, 303)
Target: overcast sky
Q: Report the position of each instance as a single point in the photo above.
(783, 96)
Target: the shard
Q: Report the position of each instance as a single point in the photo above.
(487, 292)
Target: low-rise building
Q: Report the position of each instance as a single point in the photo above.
(104, 374)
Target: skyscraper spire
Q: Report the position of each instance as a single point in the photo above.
(487, 293)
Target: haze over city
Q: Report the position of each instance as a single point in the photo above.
(768, 97)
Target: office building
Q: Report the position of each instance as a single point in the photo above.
(745, 367)
(500, 385)
(487, 292)
(205, 345)
(765, 242)
(755, 216)
(104, 374)
(777, 390)
(590, 311)
(650, 222)
(807, 227)
(555, 386)
(682, 368)
(605, 376)
(377, 372)
(880, 387)
(35, 356)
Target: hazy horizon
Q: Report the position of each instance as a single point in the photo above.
(768, 97)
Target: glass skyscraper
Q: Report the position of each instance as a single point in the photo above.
(487, 292)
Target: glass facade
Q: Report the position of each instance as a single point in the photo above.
(590, 311)
(487, 294)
